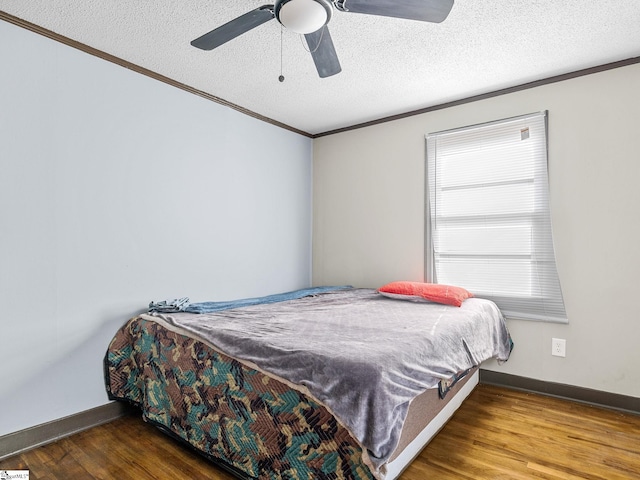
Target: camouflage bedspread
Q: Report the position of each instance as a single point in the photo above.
(362, 355)
(256, 425)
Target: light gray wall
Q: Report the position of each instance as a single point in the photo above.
(116, 190)
(369, 218)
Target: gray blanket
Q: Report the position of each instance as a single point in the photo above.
(363, 355)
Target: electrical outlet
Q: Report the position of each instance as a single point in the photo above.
(558, 347)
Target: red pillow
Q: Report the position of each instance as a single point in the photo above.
(434, 292)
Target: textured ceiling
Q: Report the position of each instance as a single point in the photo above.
(389, 66)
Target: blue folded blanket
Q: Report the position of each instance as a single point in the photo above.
(183, 305)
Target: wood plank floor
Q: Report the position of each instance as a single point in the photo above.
(497, 434)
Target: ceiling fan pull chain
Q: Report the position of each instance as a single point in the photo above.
(324, 29)
(281, 77)
(319, 41)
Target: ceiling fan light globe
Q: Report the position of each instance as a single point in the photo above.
(303, 16)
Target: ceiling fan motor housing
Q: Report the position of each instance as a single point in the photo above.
(303, 16)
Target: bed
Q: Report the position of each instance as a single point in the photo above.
(335, 383)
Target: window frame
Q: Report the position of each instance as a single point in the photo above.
(528, 306)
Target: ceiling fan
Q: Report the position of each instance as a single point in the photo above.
(310, 18)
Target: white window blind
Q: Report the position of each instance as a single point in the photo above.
(489, 225)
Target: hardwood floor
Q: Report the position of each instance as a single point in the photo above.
(496, 434)
(506, 434)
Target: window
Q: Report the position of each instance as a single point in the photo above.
(488, 221)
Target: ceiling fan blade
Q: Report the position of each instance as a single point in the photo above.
(424, 10)
(234, 28)
(323, 52)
